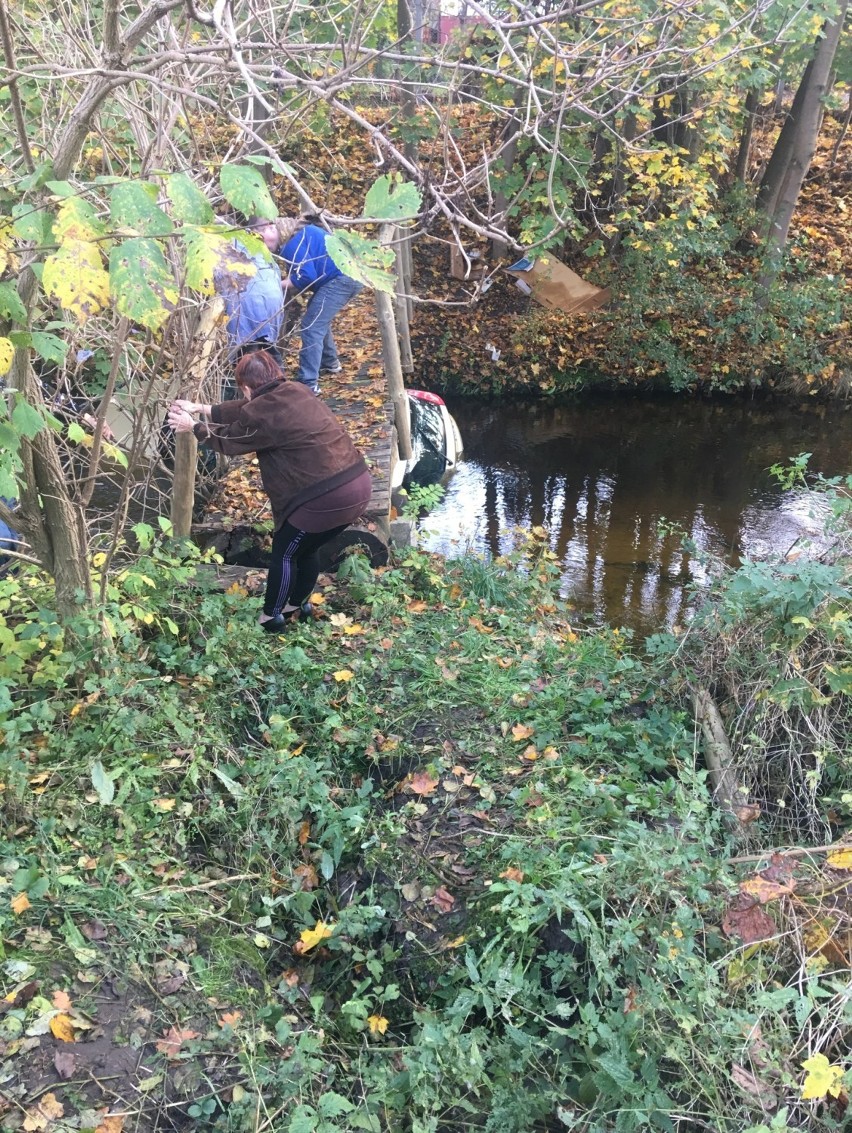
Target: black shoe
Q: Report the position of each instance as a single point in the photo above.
(278, 624)
(305, 613)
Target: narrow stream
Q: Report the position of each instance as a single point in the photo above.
(609, 476)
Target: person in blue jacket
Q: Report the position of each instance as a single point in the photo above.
(255, 311)
(311, 269)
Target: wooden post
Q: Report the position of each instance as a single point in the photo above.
(405, 248)
(183, 484)
(402, 313)
(186, 446)
(392, 362)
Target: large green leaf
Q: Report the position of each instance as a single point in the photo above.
(189, 204)
(11, 306)
(391, 198)
(49, 346)
(210, 256)
(141, 282)
(362, 259)
(245, 189)
(26, 419)
(133, 206)
(32, 224)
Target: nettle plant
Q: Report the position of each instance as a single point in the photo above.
(121, 267)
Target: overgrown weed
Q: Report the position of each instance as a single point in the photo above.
(437, 861)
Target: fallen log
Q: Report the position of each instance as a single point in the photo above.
(719, 758)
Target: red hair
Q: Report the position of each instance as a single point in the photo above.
(257, 369)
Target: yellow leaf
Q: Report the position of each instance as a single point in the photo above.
(163, 804)
(353, 629)
(75, 276)
(20, 904)
(343, 675)
(821, 1078)
(378, 1024)
(311, 937)
(521, 732)
(840, 859)
(7, 353)
(62, 1028)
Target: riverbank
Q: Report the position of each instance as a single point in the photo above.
(684, 315)
(440, 860)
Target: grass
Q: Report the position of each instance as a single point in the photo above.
(438, 862)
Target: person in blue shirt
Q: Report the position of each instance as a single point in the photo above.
(255, 312)
(311, 270)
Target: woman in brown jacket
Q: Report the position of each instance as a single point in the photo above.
(316, 480)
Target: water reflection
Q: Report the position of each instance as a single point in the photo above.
(607, 478)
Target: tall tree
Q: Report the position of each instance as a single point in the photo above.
(783, 182)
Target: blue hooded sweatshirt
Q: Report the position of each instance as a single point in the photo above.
(310, 265)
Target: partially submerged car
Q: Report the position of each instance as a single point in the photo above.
(436, 443)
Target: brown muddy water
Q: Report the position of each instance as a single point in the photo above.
(609, 477)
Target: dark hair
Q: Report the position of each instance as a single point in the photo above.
(257, 369)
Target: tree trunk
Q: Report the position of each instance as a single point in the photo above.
(499, 248)
(409, 101)
(779, 162)
(744, 152)
(53, 522)
(815, 83)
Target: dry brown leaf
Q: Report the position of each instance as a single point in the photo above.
(512, 874)
(764, 890)
(65, 1063)
(172, 1040)
(112, 1123)
(307, 876)
(62, 1000)
(443, 900)
(20, 903)
(422, 783)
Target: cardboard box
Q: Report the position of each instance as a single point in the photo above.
(554, 285)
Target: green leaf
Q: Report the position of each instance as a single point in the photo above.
(103, 783)
(61, 188)
(49, 346)
(26, 419)
(76, 434)
(189, 204)
(332, 1104)
(246, 190)
(211, 255)
(391, 198)
(362, 259)
(304, 1120)
(133, 205)
(10, 303)
(267, 159)
(141, 282)
(32, 224)
(231, 785)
